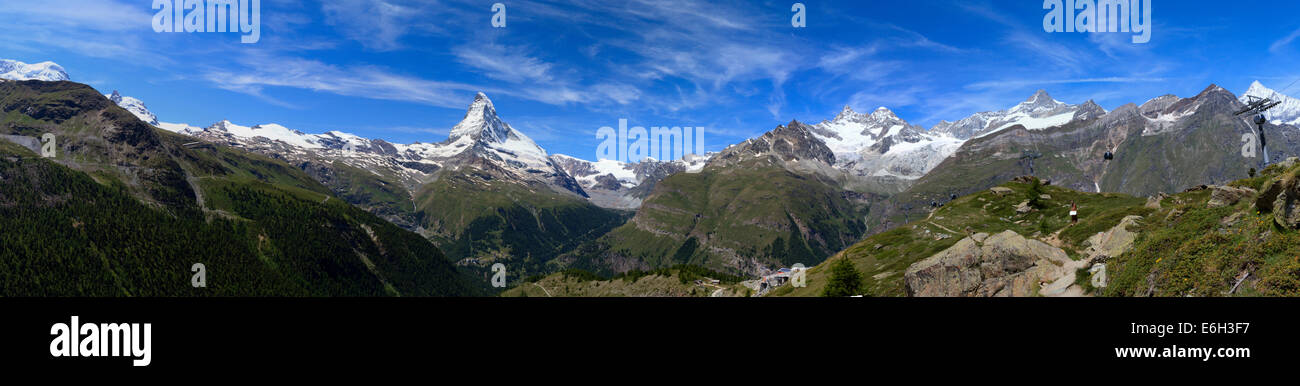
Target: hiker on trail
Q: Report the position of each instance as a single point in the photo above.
(1074, 213)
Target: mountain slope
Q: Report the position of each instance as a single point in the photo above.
(1234, 240)
(135, 106)
(486, 194)
(125, 210)
(1166, 145)
(481, 220)
(883, 148)
(619, 185)
(763, 204)
(677, 281)
(1040, 111)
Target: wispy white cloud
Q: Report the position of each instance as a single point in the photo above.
(94, 28)
(679, 48)
(268, 70)
(382, 24)
(510, 64)
(1285, 41)
(100, 15)
(1021, 83)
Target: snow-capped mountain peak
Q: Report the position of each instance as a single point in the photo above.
(135, 106)
(482, 140)
(1041, 101)
(1258, 89)
(481, 123)
(851, 131)
(881, 144)
(46, 71)
(845, 113)
(52, 72)
(1286, 113)
(1039, 111)
(232, 132)
(225, 125)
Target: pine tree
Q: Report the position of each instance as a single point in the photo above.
(845, 280)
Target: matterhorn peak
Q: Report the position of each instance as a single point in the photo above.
(481, 122)
(115, 97)
(482, 105)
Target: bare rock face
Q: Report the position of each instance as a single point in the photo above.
(31, 143)
(1153, 202)
(1282, 197)
(1264, 202)
(1221, 196)
(1113, 242)
(1005, 264)
(787, 142)
(1286, 208)
(1289, 162)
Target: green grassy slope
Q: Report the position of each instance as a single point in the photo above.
(125, 210)
(1189, 250)
(730, 219)
(678, 281)
(1183, 248)
(481, 221)
(882, 258)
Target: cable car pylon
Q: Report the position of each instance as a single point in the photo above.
(1258, 106)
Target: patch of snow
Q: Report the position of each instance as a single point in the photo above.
(1032, 123)
(179, 128)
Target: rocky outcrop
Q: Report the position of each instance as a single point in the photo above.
(1264, 201)
(1005, 264)
(1285, 212)
(1282, 197)
(1153, 202)
(1112, 243)
(1221, 196)
(787, 142)
(31, 143)
(1001, 191)
(1285, 207)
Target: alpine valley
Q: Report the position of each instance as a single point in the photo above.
(433, 218)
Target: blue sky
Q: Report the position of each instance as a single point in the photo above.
(405, 70)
